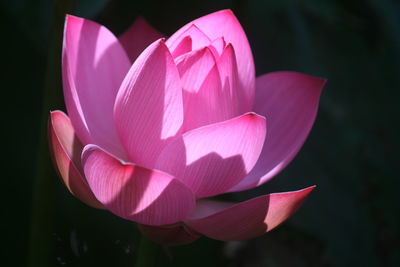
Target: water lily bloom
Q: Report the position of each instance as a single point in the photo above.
(156, 127)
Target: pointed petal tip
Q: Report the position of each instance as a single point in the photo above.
(71, 19)
(284, 205)
(230, 51)
(162, 40)
(64, 148)
(324, 81)
(248, 115)
(89, 148)
(312, 187)
(195, 26)
(213, 158)
(308, 190)
(57, 114)
(206, 51)
(226, 12)
(159, 44)
(69, 16)
(137, 37)
(300, 194)
(229, 48)
(248, 219)
(253, 115)
(319, 82)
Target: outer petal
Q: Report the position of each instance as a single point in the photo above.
(136, 193)
(211, 159)
(248, 219)
(224, 24)
(171, 235)
(199, 39)
(93, 67)
(137, 37)
(290, 102)
(149, 107)
(66, 152)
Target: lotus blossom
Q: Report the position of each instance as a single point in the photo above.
(157, 127)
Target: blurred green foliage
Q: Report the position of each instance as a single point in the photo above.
(353, 217)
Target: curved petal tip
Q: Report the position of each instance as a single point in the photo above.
(248, 219)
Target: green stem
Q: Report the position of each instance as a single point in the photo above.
(147, 253)
(40, 245)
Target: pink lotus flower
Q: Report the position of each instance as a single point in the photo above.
(157, 126)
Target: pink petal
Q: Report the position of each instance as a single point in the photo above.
(199, 39)
(218, 46)
(290, 102)
(234, 93)
(194, 67)
(185, 46)
(133, 192)
(66, 153)
(224, 24)
(247, 219)
(137, 37)
(201, 85)
(202, 90)
(149, 108)
(170, 235)
(213, 158)
(93, 67)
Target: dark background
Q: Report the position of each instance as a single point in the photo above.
(353, 217)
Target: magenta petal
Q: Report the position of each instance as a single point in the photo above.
(66, 153)
(194, 67)
(170, 235)
(199, 39)
(247, 219)
(213, 158)
(233, 91)
(137, 37)
(149, 108)
(218, 46)
(290, 102)
(201, 86)
(224, 24)
(93, 67)
(185, 46)
(203, 91)
(136, 193)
